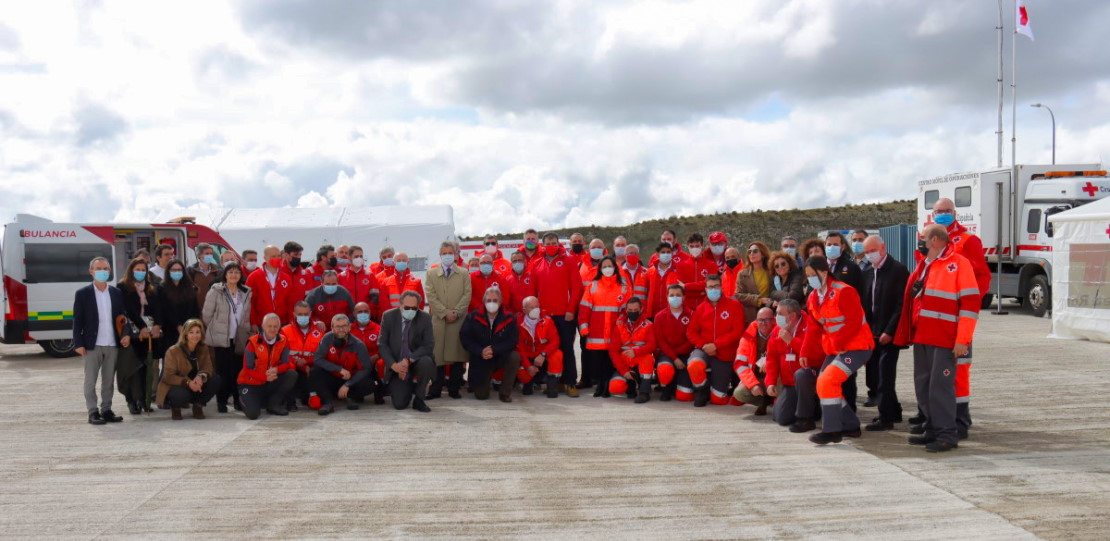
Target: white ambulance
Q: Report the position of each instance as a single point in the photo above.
(1011, 217)
(44, 263)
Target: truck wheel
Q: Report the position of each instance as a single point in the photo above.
(1038, 298)
(988, 300)
(58, 348)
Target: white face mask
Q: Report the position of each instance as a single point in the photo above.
(607, 271)
(358, 261)
(874, 257)
(696, 252)
(534, 313)
(492, 307)
(251, 265)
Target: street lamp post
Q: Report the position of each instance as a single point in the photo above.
(1053, 129)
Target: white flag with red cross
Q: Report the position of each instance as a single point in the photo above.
(1022, 22)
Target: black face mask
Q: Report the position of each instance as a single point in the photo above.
(732, 263)
(632, 316)
(922, 247)
(341, 342)
(295, 262)
(333, 262)
(577, 248)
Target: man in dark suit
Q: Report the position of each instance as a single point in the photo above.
(406, 345)
(884, 285)
(95, 337)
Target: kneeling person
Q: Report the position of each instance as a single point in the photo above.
(406, 344)
(632, 351)
(751, 362)
(188, 377)
(268, 374)
(538, 348)
(490, 337)
(342, 368)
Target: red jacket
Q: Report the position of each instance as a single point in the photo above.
(303, 282)
(656, 285)
(528, 259)
(325, 307)
(558, 284)
(841, 325)
(602, 303)
(782, 358)
(700, 268)
(361, 283)
(545, 341)
(368, 335)
(639, 289)
(394, 285)
(638, 337)
(747, 355)
(946, 310)
(522, 286)
(670, 332)
(971, 247)
(501, 265)
(679, 255)
(302, 346)
(266, 299)
(260, 357)
(479, 284)
(721, 324)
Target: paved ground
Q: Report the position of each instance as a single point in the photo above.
(1037, 465)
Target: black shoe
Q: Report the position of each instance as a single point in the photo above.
(825, 438)
(879, 425)
(235, 404)
(352, 405)
(278, 411)
(896, 420)
(921, 440)
(870, 403)
(379, 399)
(940, 446)
(454, 394)
(599, 391)
(852, 433)
(916, 419)
(631, 392)
(667, 394)
(110, 417)
(701, 396)
(642, 397)
(325, 409)
(963, 434)
(95, 418)
(583, 385)
(917, 430)
(133, 408)
(221, 407)
(419, 405)
(802, 425)
(434, 393)
(290, 408)
(528, 389)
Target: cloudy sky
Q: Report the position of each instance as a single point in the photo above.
(525, 113)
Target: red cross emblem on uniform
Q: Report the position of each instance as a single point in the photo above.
(724, 315)
(284, 283)
(527, 280)
(685, 320)
(832, 293)
(1091, 189)
(848, 360)
(261, 348)
(365, 281)
(558, 263)
(620, 298)
(704, 273)
(495, 284)
(952, 267)
(320, 308)
(956, 239)
(947, 372)
(332, 350)
(373, 338)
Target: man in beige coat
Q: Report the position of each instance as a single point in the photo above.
(447, 288)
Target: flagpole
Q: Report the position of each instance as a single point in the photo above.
(1001, 93)
(1013, 99)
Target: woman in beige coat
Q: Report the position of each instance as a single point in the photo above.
(448, 289)
(188, 377)
(753, 284)
(226, 314)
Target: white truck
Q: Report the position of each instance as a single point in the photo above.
(1011, 217)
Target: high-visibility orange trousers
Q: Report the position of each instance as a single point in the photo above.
(836, 413)
(554, 367)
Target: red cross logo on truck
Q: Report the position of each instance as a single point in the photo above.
(1091, 189)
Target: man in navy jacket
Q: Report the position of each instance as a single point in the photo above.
(95, 310)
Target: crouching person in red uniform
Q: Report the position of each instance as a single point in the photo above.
(715, 330)
(783, 351)
(368, 332)
(303, 338)
(268, 374)
(632, 350)
(674, 347)
(342, 368)
(846, 341)
(751, 362)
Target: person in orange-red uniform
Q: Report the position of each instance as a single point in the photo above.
(632, 351)
(715, 331)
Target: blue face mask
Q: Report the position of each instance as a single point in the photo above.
(518, 267)
(343, 262)
(401, 266)
(791, 251)
(176, 275)
(139, 275)
(330, 290)
(944, 219)
(814, 282)
(102, 275)
(713, 294)
(832, 252)
(675, 302)
(857, 247)
(597, 253)
(209, 260)
(619, 250)
(447, 260)
(485, 268)
(781, 321)
(363, 319)
(665, 258)
(302, 321)
(388, 262)
(408, 314)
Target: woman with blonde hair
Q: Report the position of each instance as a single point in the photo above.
(188, 377)
(754, 283)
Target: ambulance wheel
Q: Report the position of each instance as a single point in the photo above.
(58, 348)
(988, 300)
(1038, 297)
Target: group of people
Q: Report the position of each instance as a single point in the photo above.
(707, 322)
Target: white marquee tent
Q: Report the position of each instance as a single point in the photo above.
(1081, 272)
(417, 230)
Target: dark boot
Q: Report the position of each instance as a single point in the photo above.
(481, 393)
(762, 409)
(701, 396)
(198, 411)
(175, 413)
(802, 425)
(133, 408)
(221, 405)
(643, 397)
(668, 393)
(631, 392)
(600, 390)
(552, 387)
(527, 389)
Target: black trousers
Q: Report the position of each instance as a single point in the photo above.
(589, 370)
(601, 366)
(271, 394)
(873, 376)
(326, 385)
(886, 365)
(300, 390)
(228, 365)
(567, 331)
(182, 397)
(454, 381)
(482, 369)
(402, 392)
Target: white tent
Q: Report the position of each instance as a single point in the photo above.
(416, 230)
(1081, 272)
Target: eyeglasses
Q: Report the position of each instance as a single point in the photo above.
(784, 246)
(764, 319)
(782, 264)
(753, 251)
(491, 244)
(363, 312)
(410, 308)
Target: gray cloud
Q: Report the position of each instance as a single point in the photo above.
(97, 124)
(220, 64)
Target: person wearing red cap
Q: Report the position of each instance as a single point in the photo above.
(718, 243)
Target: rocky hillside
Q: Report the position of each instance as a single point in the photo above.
(766, 225)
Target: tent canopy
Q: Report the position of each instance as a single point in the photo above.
(1081, 272)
